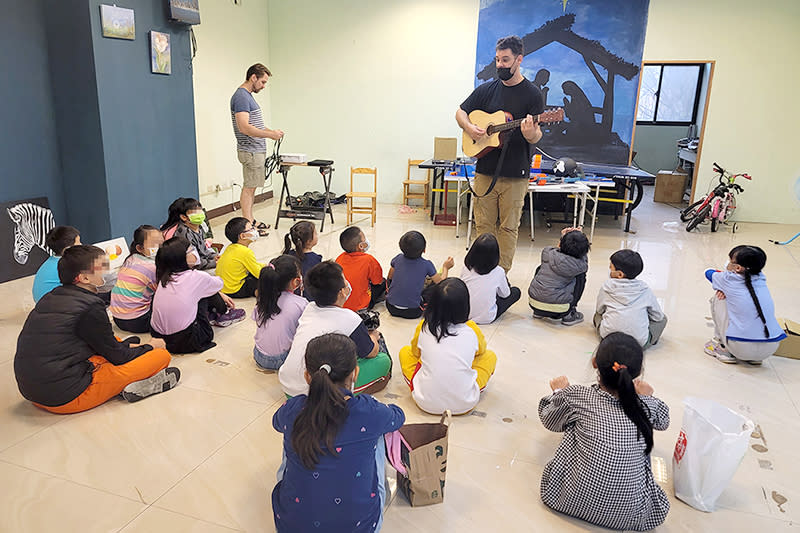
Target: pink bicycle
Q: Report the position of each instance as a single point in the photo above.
(718, 205)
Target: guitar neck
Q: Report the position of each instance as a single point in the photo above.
(495, 128)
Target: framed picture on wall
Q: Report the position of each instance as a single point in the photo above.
(117, 22)
(160, 53)
(23, 228)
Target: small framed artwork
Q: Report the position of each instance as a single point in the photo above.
(117, 22)
(160, 53)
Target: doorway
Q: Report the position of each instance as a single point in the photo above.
(672, 107)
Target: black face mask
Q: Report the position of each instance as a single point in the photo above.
(504, 73)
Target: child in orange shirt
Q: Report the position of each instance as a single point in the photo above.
(361, 270)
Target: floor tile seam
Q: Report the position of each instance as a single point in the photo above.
(786, 520)
(210, 456)
(785, 388)
(224, 395)
(514, 458)
(3, 450)
(152, 505)
(79, 483)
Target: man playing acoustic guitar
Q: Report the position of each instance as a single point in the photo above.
(515, 95)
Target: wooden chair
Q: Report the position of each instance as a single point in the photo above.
(408, 183)
(372, 195)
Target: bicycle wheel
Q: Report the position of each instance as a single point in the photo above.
(730, 208)
(690, 212)
(701, 216)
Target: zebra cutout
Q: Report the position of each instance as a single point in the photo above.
(31, 224)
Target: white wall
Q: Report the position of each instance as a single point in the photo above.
(753, 113)
(369, 83)
(229, 39)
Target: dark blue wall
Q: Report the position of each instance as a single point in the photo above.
(148, 131)
(83, 120)
(29, 165)
(78, 119)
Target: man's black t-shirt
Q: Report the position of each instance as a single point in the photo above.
(521, 99)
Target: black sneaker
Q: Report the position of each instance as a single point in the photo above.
(573, 317)
(159, 382)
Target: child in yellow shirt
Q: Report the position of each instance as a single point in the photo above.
(237, 266)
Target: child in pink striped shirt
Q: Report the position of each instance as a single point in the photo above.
(132, 296)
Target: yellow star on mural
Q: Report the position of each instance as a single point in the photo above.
(564, 7)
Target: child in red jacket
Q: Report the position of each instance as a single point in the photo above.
(361, 270)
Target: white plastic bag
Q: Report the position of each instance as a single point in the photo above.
(710, 447)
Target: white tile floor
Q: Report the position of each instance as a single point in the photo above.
(203, 457)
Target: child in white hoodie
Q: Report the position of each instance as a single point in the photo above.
(626, 304)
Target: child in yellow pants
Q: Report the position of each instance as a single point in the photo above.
(447, 364)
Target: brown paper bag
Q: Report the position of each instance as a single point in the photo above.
(425, 461)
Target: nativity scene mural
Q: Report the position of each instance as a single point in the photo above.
(584, 56)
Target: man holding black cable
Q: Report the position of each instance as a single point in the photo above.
(514, 94)
(250, 131)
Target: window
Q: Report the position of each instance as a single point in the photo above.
(669, 94)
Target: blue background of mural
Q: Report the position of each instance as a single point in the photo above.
(619, 26)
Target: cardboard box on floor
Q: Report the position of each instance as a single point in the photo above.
(790, 346)
(670, 186)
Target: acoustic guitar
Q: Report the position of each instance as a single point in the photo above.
(495, 124)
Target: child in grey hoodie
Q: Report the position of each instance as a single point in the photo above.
(627, 304)
(559, 281)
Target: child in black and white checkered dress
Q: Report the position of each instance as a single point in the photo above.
(601, 471)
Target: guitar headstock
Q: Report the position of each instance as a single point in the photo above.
(551, 115)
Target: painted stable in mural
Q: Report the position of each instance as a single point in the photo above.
(584, 55)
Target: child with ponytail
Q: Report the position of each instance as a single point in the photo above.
(745, 328)
(132, 296)
(332, 475)
(277, 311)
(601, 470)
(300, 240)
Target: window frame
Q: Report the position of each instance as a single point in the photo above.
(698, 90)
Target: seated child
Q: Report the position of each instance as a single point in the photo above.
(237, 266)
(187, 301)
(185, 217)
(558, 283)
(132, 296)
(58, 239)
(303, 236)
(67, 358)
(408, 274)
(627, 304)
(325, 314)
(334, 454)
(277, 311)
(447, 365)
(745, 328)
(601, 471)
(361, 270)
(490, 295)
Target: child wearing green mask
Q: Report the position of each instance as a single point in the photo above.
(188, 214)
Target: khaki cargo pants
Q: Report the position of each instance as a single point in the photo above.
(503, 205)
